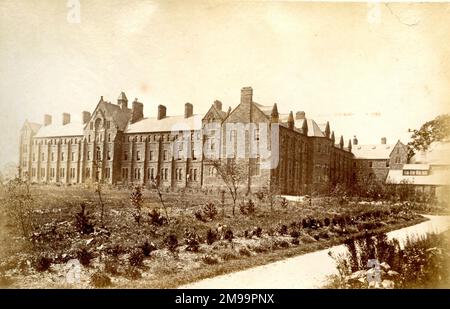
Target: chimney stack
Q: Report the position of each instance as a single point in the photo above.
(161, 112)
(218, 105)
(291, 121)
(137, 111)
(85, 116)
(246, 95)
(188, 110)
(300, 115)
(47, 120)
(65, 118)
(383, 140)
(355, 140)
(274, 116)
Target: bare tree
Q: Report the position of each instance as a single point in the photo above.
(233, 174)
(155, 184)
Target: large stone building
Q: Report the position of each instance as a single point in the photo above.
(116, 144)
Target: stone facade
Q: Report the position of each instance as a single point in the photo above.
(117, 145)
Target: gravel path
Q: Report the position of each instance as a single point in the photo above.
(308, 270)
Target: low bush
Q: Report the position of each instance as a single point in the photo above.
(192, 241)
(227, 254)
(244, 251)
(282, 229)
(156, 218)
(247, 208)
(228, 235)
(148, 248)
(111, 266)
(210, 259)
(42, 263)
(84, 256)
(100, 280)
(211, 236)
(132, 273)
(171, 242)
(136, 258)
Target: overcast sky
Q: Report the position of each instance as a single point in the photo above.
(370, 73)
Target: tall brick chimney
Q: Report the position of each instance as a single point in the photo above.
(65, 118)
(85, 116)
(383, 140)
(137, 111)
(291, 121)
(161, 112)
(47, 120)
(218, 105)
(188, 110)
(300, 115)
(246, 95)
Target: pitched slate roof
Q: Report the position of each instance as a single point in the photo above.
(55, 130)
(375, 151)
(167, 124)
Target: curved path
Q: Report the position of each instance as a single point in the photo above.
(308, 270)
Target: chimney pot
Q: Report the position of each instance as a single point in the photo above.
(188, 110)
(355, 140)
(85, 116)
(246, 95)
(383, 140)
(47, 119)
(161, 112)
(218, 105)
(65, 118)
(300, 115)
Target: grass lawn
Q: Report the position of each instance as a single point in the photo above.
(139, 255)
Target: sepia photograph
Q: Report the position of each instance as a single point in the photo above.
(192, 145)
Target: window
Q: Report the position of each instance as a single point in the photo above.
(42, 172)
(125, 173)
(88, 172)
(53, 156)
(256, 134)
(387, 163)
(152, 173)
(137, 173)
(99, 155)
(42, 157)
(138, 155)
(109, 136)
(195, 174)
(151, 155)
(165, 155)
(108, 124)
(165, 173)
(397, 160)
(73, 156)
(89, 138)
(370, 163)
(62, 156)
(88, 155)
(61, 172)
(125, 156)
(109, 155)
(34, 157)
(107, 172)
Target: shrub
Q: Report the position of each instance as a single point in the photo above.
(244, 251)
(211, 236)
(228, 254)
(136, 258)
(156, 218)
(295, 241)
(295, 234)
(257, 231)
(228, 235)
(171, 242)
(132, 273)
(282, 229)
(84, 256)
(306, 223)
(263, 246)
(210, 210)
(116, 250)
(247, 208)
(283, 244)
(100, 280)
(326, 222)
(111, 266)
(210, 259)
(83, 222)
(198, 214)
(136, 200)
(192, 241)
(42, 263)
(148, 248)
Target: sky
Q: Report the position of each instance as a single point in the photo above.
(370, 70)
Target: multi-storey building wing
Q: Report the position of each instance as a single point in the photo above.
(117, 144)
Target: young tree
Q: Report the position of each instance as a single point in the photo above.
(431, 131)
(18, 204)
(234, 174)
(137, 199)
(155, 184)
